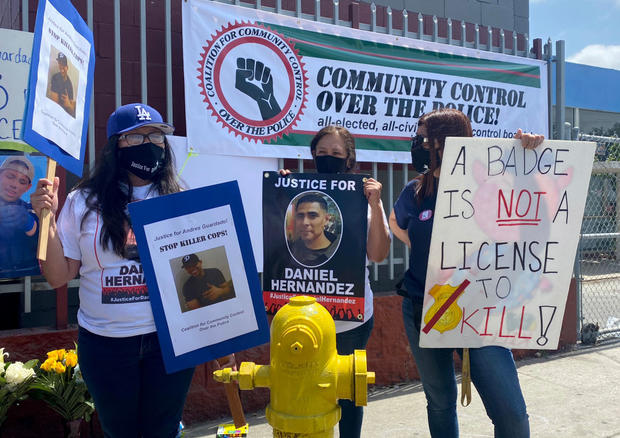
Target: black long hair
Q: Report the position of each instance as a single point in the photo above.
(108, 191)
(439, 124)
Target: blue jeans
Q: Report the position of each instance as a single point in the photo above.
(493, 373)
(133, 395)
(350, 425)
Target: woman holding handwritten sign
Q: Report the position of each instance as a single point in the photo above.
(119, 353)
(493, 369)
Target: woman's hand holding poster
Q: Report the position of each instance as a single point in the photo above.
(505, 233)
(314, 233)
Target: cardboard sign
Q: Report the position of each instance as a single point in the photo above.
(505, 234)
(60, 84)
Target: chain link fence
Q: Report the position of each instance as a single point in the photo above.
(598, 263)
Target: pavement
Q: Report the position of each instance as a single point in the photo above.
(568, 394)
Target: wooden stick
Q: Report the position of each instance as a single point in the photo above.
(465, 379)
(44, 225)
(234, 403)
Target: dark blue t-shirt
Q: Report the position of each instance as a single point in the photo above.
(417, 219)
(195, 286)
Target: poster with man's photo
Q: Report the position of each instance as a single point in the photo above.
(314, 234)
(18, 223)
(60, 84)
(201, 275)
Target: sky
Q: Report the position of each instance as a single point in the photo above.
(589, 27)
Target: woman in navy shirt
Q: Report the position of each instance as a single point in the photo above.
(411, 221)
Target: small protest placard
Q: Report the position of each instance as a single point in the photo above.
(505, 233)
(60, 84)
(203, 284)
(314, 234)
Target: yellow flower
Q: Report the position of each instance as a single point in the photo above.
(57, 354)
(53, 355)
(59, 368)
(49, 363)
(71, 359)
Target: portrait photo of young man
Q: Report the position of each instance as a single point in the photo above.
(316, 232)
(61, 89)
(204, 285)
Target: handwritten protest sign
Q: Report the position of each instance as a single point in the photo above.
(314, 234)
(203, 284)
(262, 84)
(15, 52)
(60, 84)
(504, 239)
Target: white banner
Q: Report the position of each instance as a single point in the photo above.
(262, 84)
(505, 234)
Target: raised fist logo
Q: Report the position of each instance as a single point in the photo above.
(238, 68)
(254, 79)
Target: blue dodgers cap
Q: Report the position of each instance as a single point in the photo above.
(135, 115)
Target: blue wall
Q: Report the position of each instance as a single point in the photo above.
(592, 88)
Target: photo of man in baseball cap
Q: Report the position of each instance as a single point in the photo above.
(61, 88)
(205, 286)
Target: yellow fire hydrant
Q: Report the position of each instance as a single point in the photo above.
(306, 375)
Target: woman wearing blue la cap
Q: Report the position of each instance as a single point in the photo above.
(119, 354)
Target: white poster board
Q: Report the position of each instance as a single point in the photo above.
(201, 169)
(60, 85)
(505, 234)
(59, 115)
(167, 253)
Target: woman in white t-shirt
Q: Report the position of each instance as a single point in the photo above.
(333, 151)
(118, 349)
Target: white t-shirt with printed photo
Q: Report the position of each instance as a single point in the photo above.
(114, 299)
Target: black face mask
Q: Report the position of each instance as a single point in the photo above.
(143, 160)
(420, 157)
(329, 164)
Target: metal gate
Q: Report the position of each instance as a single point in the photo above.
(597, 268)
